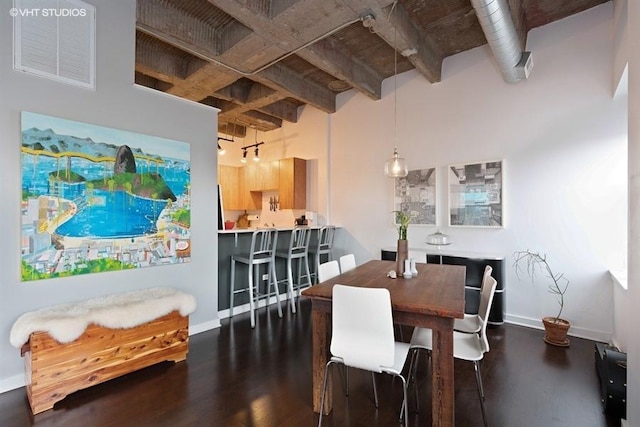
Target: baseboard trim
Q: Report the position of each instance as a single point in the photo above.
(574, 331)
(12, 383)
(203, 327)
(239, 309)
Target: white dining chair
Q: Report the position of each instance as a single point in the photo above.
(328, 270)
(347, 262)
(362, 337)
(471, 323)
(469, 347)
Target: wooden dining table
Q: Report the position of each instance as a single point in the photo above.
(432, 300)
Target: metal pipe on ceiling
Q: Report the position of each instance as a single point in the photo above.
(500, 32)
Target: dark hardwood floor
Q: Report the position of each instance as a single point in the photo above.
(235, 376)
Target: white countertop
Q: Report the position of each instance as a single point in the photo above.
(252, 229)
(446, 250)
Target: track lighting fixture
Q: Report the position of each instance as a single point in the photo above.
(221, 150)
(256, 156)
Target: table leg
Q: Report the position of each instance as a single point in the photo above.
(443, 386)
(321, 327)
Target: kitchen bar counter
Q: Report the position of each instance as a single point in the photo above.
(252, 229)
(237, 241)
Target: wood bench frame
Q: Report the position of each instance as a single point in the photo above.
(54, 370)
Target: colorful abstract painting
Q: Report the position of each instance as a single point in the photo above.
(98, 199)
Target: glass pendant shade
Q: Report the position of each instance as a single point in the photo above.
(396, 167)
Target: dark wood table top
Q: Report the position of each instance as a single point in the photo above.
(438, 290)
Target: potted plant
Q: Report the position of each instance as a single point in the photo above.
(402, 221)
(556, 328)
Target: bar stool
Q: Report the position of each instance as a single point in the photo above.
(298, 250)
(262, 251)
(324, 246)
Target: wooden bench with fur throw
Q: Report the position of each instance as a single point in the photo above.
(74, 346)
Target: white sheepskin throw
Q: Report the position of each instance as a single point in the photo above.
(67, 322)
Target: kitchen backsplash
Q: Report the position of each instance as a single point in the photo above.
(271, 214)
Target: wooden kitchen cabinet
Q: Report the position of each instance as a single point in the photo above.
(269, 173)
(250, 196)
(263, 176)
(229, 180)
(242, 187)
(293, 183)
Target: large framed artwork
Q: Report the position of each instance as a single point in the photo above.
(98, 199)
(415, 195)
(476, 194)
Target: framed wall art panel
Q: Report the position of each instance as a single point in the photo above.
(415, 195)
(476, 194)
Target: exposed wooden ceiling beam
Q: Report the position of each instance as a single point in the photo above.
(399, 32)
(162, 25)
(258, 96)
(163, 17)
(232, 129)
(283, 109)
(302, 22)
(333, 59)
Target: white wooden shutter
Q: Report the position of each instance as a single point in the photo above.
(55, 39)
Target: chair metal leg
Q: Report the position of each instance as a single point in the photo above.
(476, 365)
(403, 412)
(272, 276)
(413, 366)
(346, 380)
(324, 391)
(375, 389)
(251, 297)
(290, 284)
(317, 262)
(232, 287)
(304, 262)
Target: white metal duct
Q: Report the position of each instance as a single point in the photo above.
(498, 28)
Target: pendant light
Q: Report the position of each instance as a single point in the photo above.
(396, 166)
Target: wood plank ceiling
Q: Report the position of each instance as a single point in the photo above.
(258, 61)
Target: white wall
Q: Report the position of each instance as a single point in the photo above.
(116, 103)
(632, 315)
(563, 141)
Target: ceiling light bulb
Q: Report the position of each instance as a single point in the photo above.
(221, 150)
(244, 156)
(256, 158)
